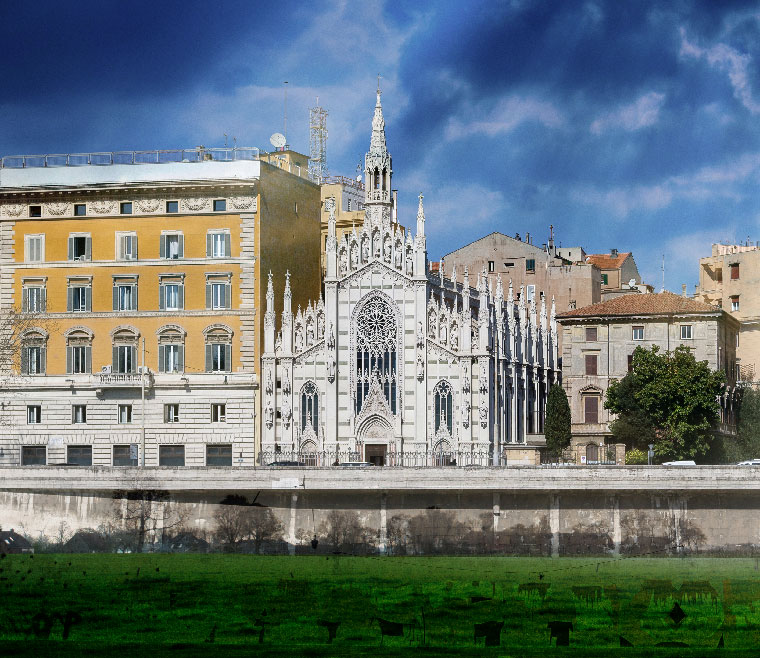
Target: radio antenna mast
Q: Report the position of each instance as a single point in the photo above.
(285, 122)
(318, 143)
(663, 274)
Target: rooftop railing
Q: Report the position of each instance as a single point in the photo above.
(343, 180)
(198, 154)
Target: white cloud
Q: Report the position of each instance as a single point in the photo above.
(463, 212)
(507, 115)
(643, 112)
(621, 201)
(682, 254)
(367, 44)
(717, 181)
(729, 60)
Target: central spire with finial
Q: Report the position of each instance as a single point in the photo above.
(378, 169)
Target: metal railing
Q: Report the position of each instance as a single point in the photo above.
(343, 180)
(198, 154)
(131, 379)
(393, 459)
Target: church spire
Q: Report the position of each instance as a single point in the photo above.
(378, 170)
(377, 144)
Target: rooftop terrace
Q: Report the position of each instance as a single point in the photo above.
(199, 163)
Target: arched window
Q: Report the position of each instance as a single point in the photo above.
(444, 401)
(78, 350)
(377, 178)
(33, 352)
(171, 348)
(124, 342)
(218, 348)
(310, 407)
(376, 341)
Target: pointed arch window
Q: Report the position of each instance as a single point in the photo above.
(310, 407)
(444, 406)
(376, 345)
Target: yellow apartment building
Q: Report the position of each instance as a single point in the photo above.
(140, 277)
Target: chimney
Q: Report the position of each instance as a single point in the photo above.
(683, 290)
(527, 238)
(614, 253)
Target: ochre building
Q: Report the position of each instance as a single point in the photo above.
(138, 277)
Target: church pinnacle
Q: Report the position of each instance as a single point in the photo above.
(377, 143)
(377, 166)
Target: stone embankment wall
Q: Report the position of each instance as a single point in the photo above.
(514, 511)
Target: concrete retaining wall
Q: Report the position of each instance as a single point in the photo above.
(518, 511)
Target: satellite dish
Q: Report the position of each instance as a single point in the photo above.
(277, 140)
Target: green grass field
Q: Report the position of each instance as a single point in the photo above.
(186, 605)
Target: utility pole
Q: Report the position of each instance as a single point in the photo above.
(142, 404)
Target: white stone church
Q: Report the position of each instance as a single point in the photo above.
(400, 366)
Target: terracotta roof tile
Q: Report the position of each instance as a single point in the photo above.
(642, 304)
(608, 261)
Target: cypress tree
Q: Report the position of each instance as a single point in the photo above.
(557, 425)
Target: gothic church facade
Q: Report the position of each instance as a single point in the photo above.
(398, 366)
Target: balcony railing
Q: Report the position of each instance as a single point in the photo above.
(407, 459)
(124, 379)
(198, 154)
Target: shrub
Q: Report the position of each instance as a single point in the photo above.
(635, 457)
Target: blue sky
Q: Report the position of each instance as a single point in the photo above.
(633, 125)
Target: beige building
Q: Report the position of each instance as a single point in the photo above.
(619, 274)
(599, 341)
(525, 264)
(729, 279)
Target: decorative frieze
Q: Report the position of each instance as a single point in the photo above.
(56, 209)
(243, 203)
(148, 205)
(196, 204)
(103, 207)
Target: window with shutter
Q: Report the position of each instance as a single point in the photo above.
(172, 246)
(591, 409)
(591, 364)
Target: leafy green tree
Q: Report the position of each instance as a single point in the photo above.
(557, 425)
(669, 399)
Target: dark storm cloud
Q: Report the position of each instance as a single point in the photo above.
(625, 124)
(150, 47)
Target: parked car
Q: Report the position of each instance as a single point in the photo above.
(287, 463)
(750, 462)
(683, 462)
(356, 464)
